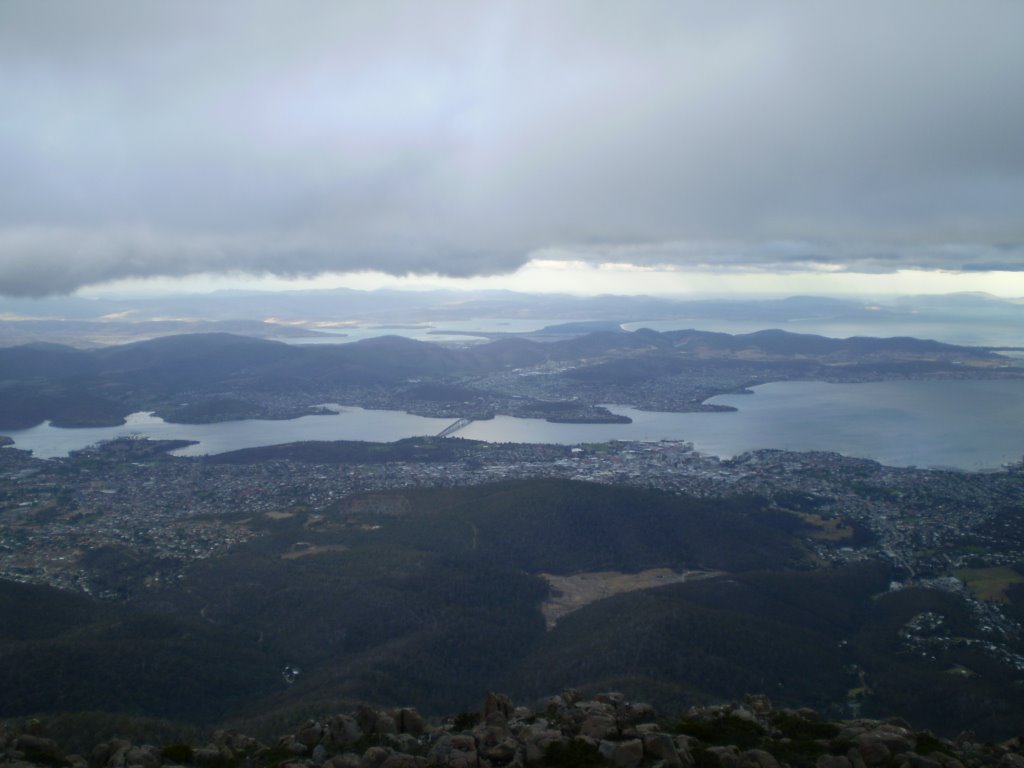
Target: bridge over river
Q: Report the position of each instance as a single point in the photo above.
(454, 427)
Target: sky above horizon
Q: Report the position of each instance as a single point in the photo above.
(652, 147)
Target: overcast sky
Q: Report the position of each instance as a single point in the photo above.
(469, 139)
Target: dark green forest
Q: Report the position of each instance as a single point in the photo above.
(431, 598)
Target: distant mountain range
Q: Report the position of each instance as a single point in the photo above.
(962, 318)
(216, 377)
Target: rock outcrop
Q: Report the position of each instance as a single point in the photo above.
(564, 731)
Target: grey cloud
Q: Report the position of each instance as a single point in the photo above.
(36, 262)
(168, 138)
(799, 256)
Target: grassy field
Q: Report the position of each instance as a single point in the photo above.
(989, 583)
(829, 529)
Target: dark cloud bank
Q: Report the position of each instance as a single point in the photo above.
(459, 138)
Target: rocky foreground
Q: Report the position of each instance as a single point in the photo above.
(564, 732)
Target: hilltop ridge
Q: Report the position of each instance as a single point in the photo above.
(214, 377)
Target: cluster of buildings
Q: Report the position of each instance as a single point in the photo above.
(175, 510)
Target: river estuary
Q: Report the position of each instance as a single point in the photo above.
(967, 424)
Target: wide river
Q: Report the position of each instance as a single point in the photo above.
(963, 424)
